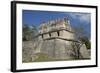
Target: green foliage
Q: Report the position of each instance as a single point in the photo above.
(82, 35)
(42, 57)
(28, 32)
(86, 41)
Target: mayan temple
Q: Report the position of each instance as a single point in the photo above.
(56, 39)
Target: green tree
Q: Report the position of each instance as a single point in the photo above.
(28, 32)
(86, 41)
(82, 35)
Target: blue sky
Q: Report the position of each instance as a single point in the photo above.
(33, 17)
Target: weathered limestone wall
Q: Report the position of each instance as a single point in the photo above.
(66, 35)
(54, 34)
(46, 36)
(56, 48)
(40, 37)
(28, 50)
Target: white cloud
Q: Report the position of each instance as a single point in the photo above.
(83, 17)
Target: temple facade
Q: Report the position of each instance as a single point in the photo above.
(59, 28)
(55, 39)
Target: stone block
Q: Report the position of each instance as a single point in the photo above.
(54, 34)
(46, 36)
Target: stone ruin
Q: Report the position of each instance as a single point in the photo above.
(57, 40)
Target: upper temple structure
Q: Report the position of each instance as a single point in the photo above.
(59, 28)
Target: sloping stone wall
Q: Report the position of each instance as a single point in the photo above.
(54, 48)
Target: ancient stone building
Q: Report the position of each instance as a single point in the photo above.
(57, 40)
(56, 29)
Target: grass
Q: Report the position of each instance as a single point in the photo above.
(41, 57)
